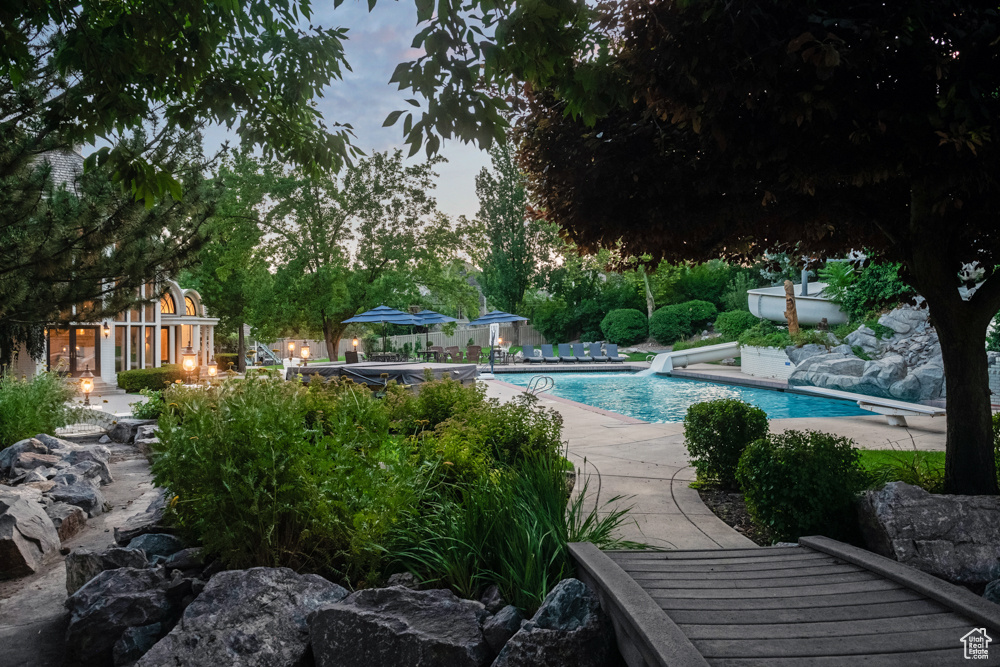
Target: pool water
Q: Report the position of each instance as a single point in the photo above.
(661, 399)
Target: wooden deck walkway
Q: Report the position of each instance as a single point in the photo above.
(822, 603)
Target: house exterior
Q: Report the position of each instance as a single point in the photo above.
(146, 337)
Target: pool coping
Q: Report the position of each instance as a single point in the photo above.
(589, 408)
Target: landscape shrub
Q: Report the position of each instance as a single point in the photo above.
(733, 323)
(702, 312)
(592, 336)
(670, 324)
(510, 529)
(31, 406)
(625, 326)
(698, 342)
(919, 468)
(150, 378)
(717, 432)
(802, 483)
(734, 298)
(224, 359)
(876, 288)
(765, 334)
(151, 408)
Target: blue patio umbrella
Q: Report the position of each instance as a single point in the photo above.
(383, 315)
(496, 317)
(429, 317)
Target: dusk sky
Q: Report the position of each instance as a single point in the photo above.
(377, 42)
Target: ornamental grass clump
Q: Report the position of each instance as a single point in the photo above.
(802, 483)
(717, 432)
(29, 406)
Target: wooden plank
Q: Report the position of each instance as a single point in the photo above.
(646, 636)
(745, 573)
(733, 567)
(722, 559)
(898, 610)
(669, 603)
(655, 589)
(936, 658)
(690, 554)
(954, 597)
(833, 628)
(651, 579)
(897, 642)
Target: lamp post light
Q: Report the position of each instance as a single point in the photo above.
(355, 344)
(188, 361)
(86, 384)
(304, 353)
(213, 370)
(106, 330)
(291, 349)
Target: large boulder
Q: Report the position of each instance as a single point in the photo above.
(124, 430)
(96, 458)
(931, 377)
(568, 629)
(953, 537)
(243, 618)
(400, 626)
(111, 603)
(866, 339)
(30, 460)
(885, 371)
(9, 454)
(57, 445)
(157, 545)
(82, 564)
(27, 537)
(75, 489)
(148, 521)
(502, 626)
(67, 519)
(799, 354)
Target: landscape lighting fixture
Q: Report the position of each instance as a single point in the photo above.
(188, 361)
(304, 353)
(291, 349)
(106, 330)
(213, 369)
(86, 384)
(355, 344)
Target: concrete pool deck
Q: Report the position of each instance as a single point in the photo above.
(648, 463)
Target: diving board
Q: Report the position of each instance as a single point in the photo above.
(895, 412)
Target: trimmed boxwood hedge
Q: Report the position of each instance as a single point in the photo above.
(150, 378)
(625, 326)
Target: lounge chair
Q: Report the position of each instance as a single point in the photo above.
(454, 353)
(473, 353)
(438, 353)
(566, 353)
(351, 357)
(580, 351)
(548, 356)
(529, 355)
(595, 352)
(612, 352)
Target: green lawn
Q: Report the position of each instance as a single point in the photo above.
(923, 469)
(872, 459)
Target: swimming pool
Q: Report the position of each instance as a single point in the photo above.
(660, 399)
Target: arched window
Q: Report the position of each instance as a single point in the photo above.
(189, 308)
(167, 304)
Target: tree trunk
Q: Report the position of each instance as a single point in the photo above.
(241, 353)
(970, 468)
(650, 303)
(331, 335)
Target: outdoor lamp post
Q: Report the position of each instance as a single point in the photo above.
(291, 349)
(213, 370)
(355, 344)
(304, 353)
(188, 361)
(86, 384)
(106, 330)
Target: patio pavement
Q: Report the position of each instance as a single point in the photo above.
(648, 463)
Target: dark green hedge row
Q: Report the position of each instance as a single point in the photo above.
(226, 358)
(150, 378)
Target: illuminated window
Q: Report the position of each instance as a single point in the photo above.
(189, 308)
(167, 304)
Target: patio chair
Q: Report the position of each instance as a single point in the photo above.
(350, 357)
(473, 354)
(595, 352)
(548, 356)
(454, 353)
(566, 353)
(438, 352)
(612, 352)
(580, 351)
(529, 355)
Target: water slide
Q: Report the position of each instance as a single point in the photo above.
(668, 361)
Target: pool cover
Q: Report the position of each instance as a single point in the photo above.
(370, 372)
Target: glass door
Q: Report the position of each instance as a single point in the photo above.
(71, 351)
